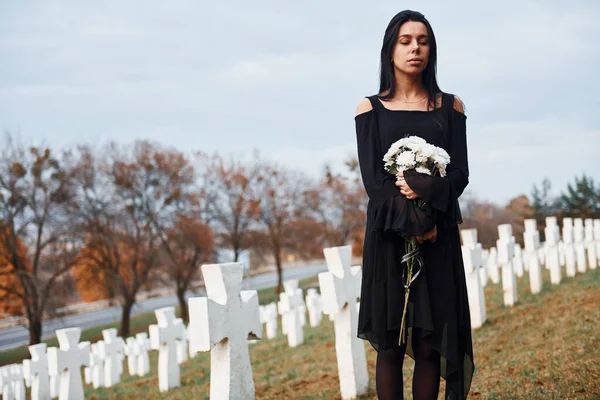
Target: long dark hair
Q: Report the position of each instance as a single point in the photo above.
(386, 68)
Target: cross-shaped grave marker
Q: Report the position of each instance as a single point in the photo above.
(579, 234)
(129, 349)
(182, 345)
(340, 290)
(315, 309)
(590, 244)
(35, 371)
(164, 337)
(11, 378)
(569, 247)
(270, 317)
(66, 361)
(142, 346)
(552, 257)
(531, 238)
(506, 254)
(492, 265)
(473, 261)
(290, 302)
(597, 237)
(222, 323)
(96, 367)
(110, 350)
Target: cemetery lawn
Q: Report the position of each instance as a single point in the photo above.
(546, 346)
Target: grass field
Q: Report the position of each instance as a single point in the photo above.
(545, 347)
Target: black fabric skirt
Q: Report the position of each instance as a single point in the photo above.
(438, 303)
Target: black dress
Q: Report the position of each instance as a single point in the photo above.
(438, 303)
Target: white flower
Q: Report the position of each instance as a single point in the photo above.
(441, 157)
(413, 142)
(406, 159)
(423, 170)
(421, 158)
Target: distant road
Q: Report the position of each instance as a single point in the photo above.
(17, 336)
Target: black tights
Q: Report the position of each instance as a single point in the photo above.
(426, 377)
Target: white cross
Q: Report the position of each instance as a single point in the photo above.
(569, 247)
(95, 370)
(531, 238)
(597, 237)
(270, 316)
(552, 257)
(222, 323)
(492, 265)
(590, 245)
(518, 260)
(54, 380)
(163, 337)
(110, 350)
(340, 290)
(579, 233)
(142, 345)
(315, 309)
(35, 372)
(473, 261)
(290, 302)
(67, 361)
(506, 254)
(131, 357)
(182, 345)
(11, 378)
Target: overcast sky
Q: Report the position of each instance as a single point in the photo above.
(285, 77)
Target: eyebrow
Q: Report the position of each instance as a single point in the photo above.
(407, 35)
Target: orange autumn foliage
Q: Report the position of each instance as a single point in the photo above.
(93, 272)
(11, 303)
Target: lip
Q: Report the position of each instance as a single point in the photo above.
(415, 60)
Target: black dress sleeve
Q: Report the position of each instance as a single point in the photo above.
(392, 211)
(443, 193)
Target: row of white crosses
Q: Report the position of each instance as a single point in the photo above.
(292, 309)
(579, 249)
(228, 318)
(56, 372)
(11, 382)
(103, 361)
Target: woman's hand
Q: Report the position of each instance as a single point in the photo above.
(404, 188)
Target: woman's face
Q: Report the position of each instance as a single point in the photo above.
(411, 52)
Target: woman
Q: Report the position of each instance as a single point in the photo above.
(438, 322)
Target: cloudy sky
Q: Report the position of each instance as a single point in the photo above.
(285, 77)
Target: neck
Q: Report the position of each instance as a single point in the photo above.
(409, 87)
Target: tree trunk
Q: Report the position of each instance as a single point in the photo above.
(35, 330)
(277, 255)
(125, 318)
(183, 305)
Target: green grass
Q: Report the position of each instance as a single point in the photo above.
(139, 323)
(545, 347)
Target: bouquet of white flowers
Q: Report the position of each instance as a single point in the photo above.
(413, 152)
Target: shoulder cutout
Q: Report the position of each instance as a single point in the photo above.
(459, 105)
(364, 106)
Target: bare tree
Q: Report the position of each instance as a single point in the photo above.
(229, 189)
(280, 191)
(189, 244)
(111, 206)
(174, 210)
(37, 245)
(338, 202)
